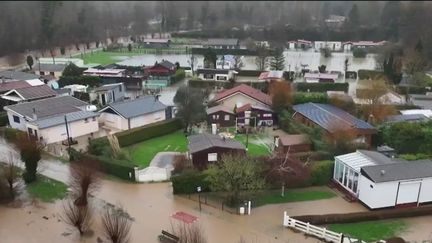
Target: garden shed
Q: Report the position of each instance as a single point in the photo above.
(380, 182)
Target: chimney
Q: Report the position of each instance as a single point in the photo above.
(34, 114)
(382, 172)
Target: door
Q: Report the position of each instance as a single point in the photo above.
(103, 99)
(408, 192)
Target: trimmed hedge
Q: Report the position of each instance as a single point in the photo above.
(321, 87)
(100, 147)
(366, 216)
(302, 97)
(322, 172)
(249, 73)
(366, 74)
(187, 182)
(119, 168)
(4, 121)
(146, 132)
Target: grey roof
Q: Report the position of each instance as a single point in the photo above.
(18, 75)
(136, 107)
(222, 42)
(60, 119)
(213, 71)
(49, 67)
(107, 87)
(36, 92)
(330, 117)
(398, 171)
(48, 107)
(63, 91)
(204, 141)
(167, 64)
(385, 148)
(217, 108)
(376, 157)
(406, 118)
(422, 101)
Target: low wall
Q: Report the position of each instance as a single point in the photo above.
(152, 173)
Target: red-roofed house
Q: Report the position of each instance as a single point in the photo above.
(242, 95)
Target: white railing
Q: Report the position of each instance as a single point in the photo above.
(310, 229)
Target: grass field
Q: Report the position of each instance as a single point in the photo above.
(274, 197)
(47, 190)
(105, 58)
(142, 153)
(254, 148)
(371, 230)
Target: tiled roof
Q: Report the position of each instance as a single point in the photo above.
(405, 118)
(35, 92)
(107, 87)
(50, 67)
(204, 141)
(246, 90)
(60, 119)
(6, 86)
(48, 107)
(330, 117)
(136, 107)
(17, 75)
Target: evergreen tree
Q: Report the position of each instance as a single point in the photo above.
(353, 16)
(278, 60)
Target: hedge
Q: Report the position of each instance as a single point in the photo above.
(302, 97)
(187, 182)
(366, 216)
(178, 76)
(146, 132)
(119, 168)
(322, 172)
(249, 73)
(366, 74)
(11, 134)
(4, 121)
(321, 87)
(239, 52)
(82, 80)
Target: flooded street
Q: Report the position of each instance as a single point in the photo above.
(293, 61)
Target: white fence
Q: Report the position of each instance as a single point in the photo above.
(309, 229)
(152, 173)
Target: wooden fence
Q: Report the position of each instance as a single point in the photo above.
(310, 229)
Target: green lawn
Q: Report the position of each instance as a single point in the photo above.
(254, 149)
(274, 197)
(142, 153)
(47, 190)
(371, 230)
(105, 58)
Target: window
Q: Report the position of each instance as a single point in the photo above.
(52, 73)
(221, 77)
(120, 87)
(227, 117)
(208, 76)
(212, 157)
(16, 119)
(267, 115)
(214, 117)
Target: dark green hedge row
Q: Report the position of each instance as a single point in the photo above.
(249, 73)
(412, 90)
(242, 52)
(187, 182)
(366, 74)
(120, 168)
(143, 133)
(4, 121)
(321, 87)
(300, 98)
(82, 80)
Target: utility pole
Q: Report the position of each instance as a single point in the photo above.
(68, 137)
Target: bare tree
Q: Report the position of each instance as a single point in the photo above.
(77, 216)
(85, 179)
(11, 176)
(189, 233)
(116, 225)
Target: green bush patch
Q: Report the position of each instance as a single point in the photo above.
(371, 230)
(47, 190)
(187, 182)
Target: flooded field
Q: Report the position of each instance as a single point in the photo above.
(293, 61)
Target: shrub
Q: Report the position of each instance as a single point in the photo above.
(322, 172)
(412, 89)
(326, 52)
(300, 98)
(321, 87)
(12, 135)
(188, 182)
(359, 53)
(411, 157)
(179, 75)
(180, 163)
(4, 121)
(146, 132)
(100, 147)
(121, 168)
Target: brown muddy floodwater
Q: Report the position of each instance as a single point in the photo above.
(151, 206)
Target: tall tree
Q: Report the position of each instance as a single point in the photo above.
(281, 94)
(278, 60)
(30, 151)
(353, 16)
(261, 58)
(191, 109)
(390, 17)
(30, 61)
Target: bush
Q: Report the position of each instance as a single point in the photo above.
(180, 163)
(249, 73)
(321, 87)
(178, 76)
(72, 70)
(301, 97)
(188, 182)
(146, 132)
(82, 80)
(4, 121)
(411, 157)
(100, 147)
(322, 172)
(121, 168)
(370, 74)
(12, 135)
(359, 53)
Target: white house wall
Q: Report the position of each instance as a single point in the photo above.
(239, 99)
(147, 119)
(425, 191)
(114, 120)
(20, 126)
(76, 129)
(381, 195)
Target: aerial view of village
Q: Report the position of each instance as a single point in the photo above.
(215, 122)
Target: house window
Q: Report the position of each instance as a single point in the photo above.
(267, 115)
(227, 117)
(52, 73)
(208, 76)
(212, 157)
(221, 77)
(41, 73)
(16, 119)
(120, 88)
(214, 117)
